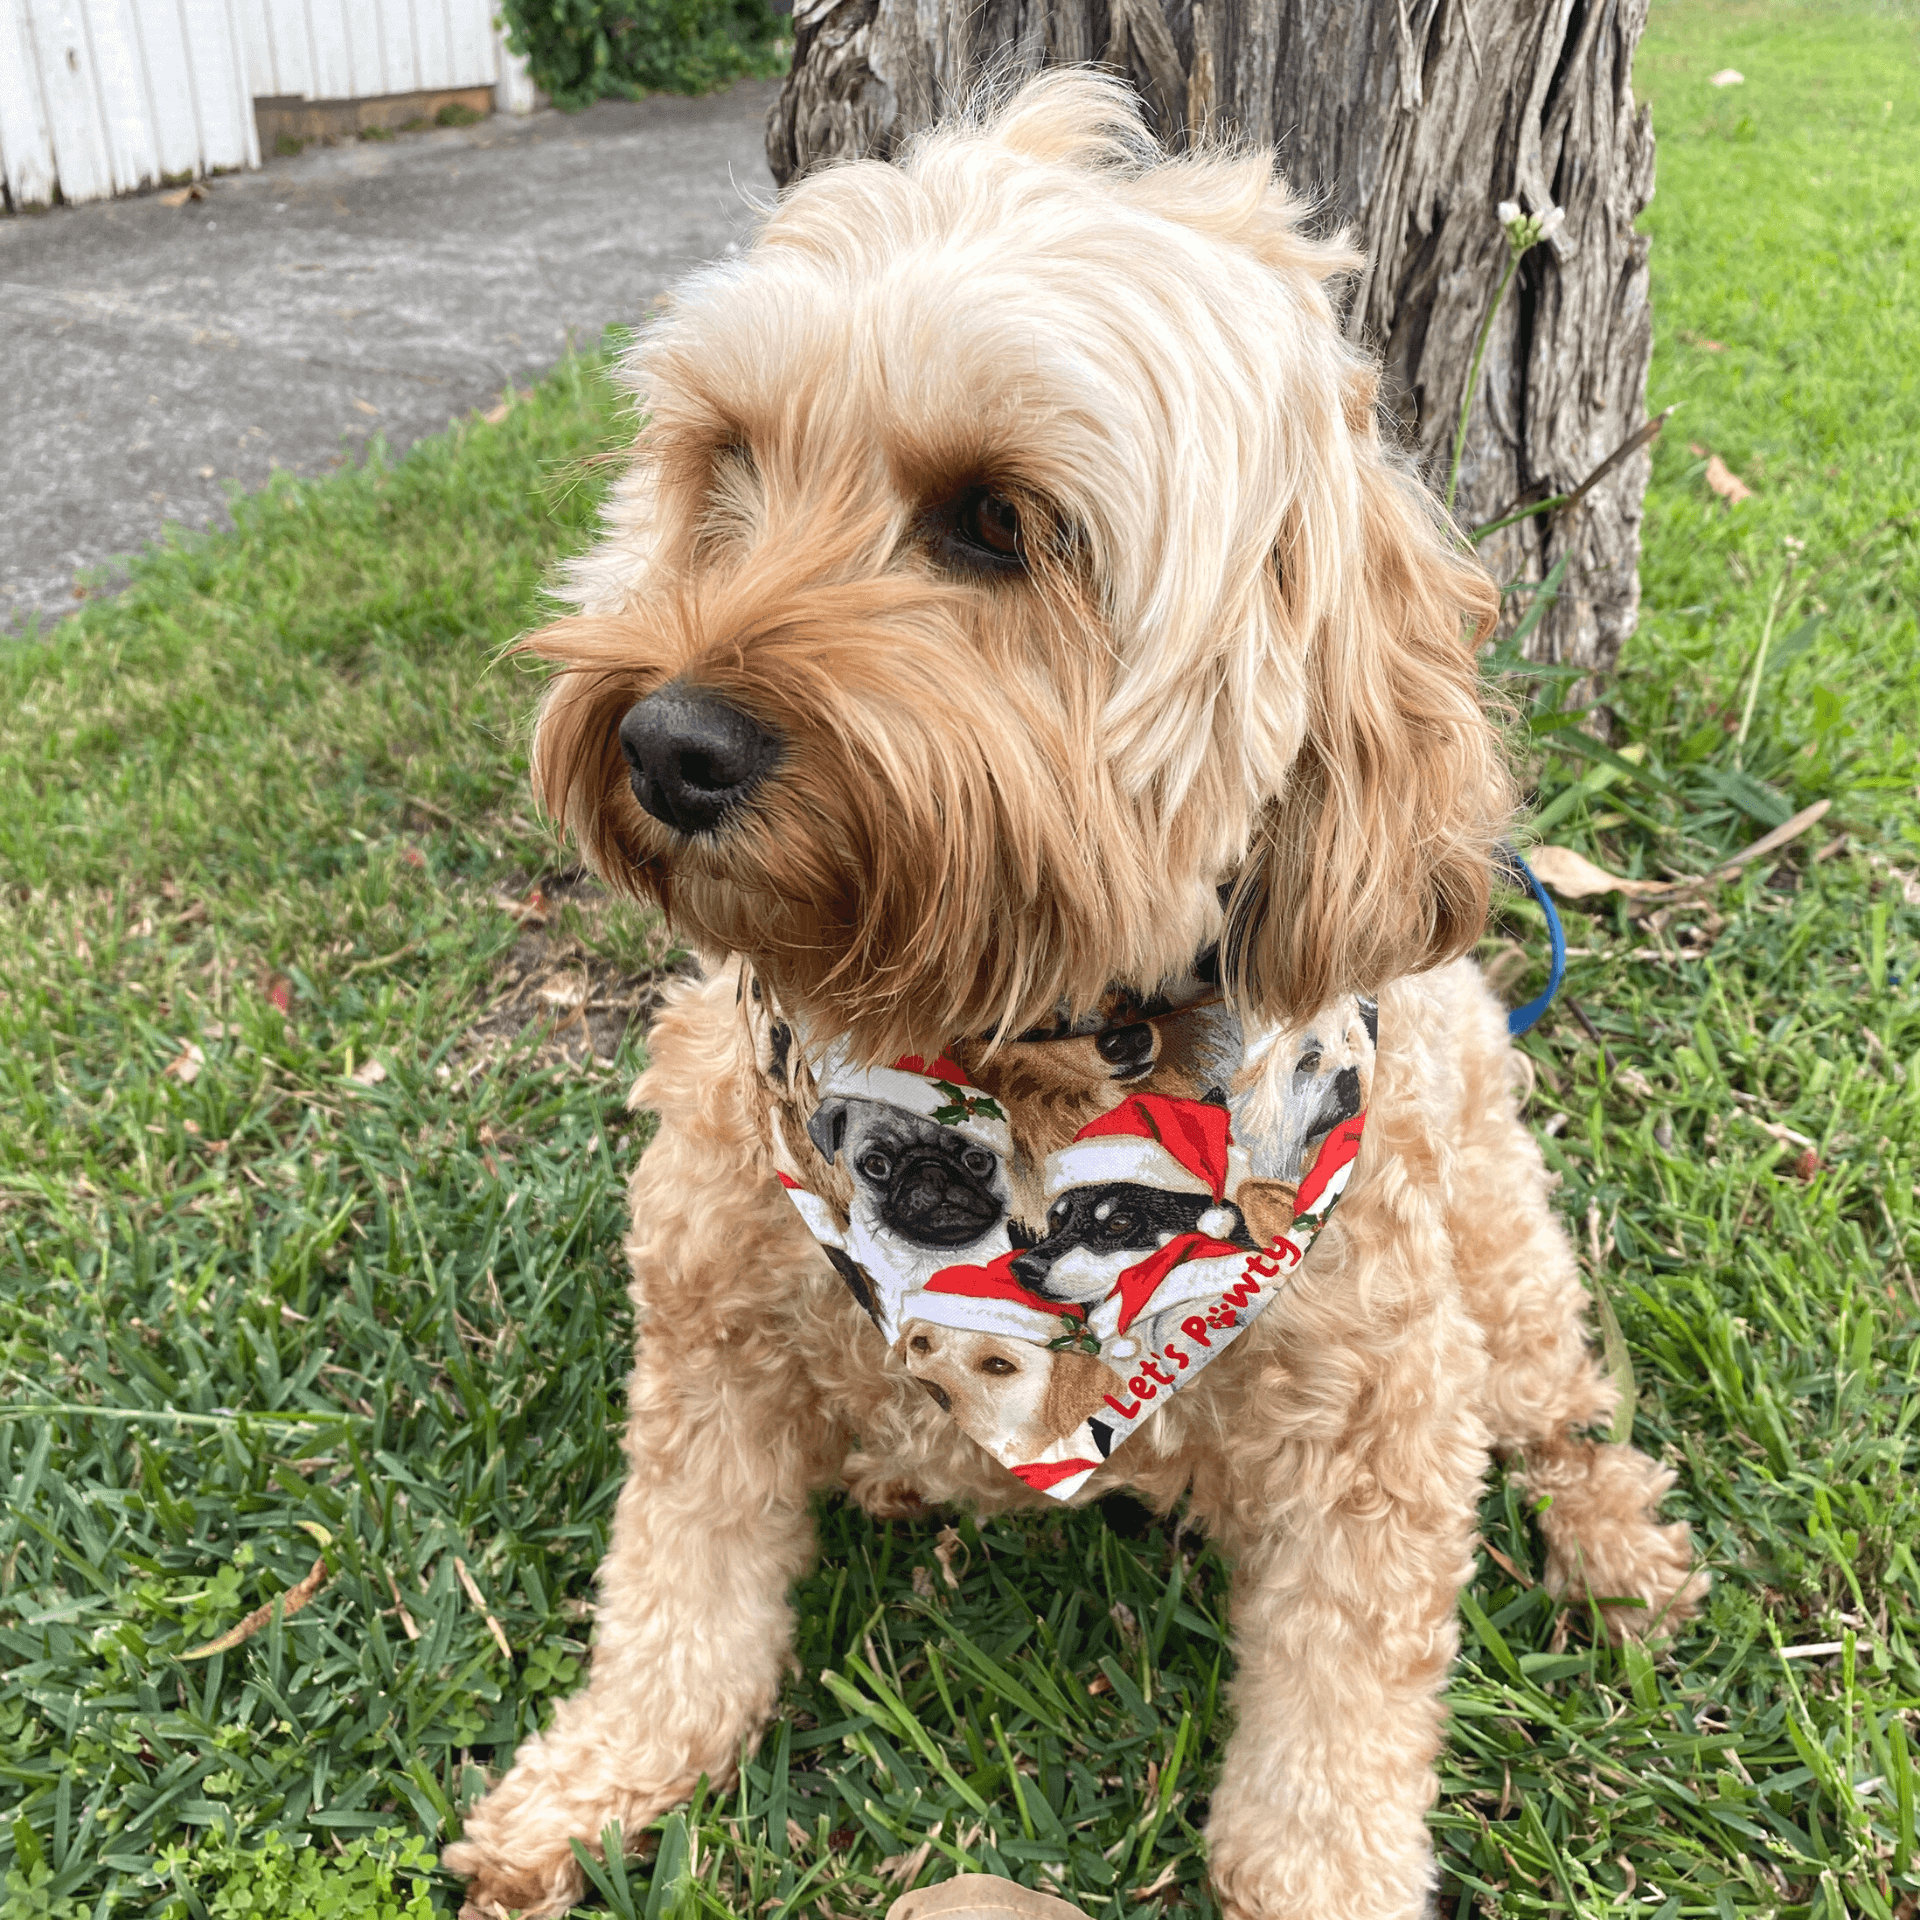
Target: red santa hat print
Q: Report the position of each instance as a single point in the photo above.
(1152, 1140)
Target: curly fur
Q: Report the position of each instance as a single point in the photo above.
(1238, 666)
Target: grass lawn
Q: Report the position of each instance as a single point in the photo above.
(311, 1136)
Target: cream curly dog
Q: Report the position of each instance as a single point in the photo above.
(1011, 599)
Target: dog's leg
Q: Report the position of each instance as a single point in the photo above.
(1545, 1386)
(725, 1439)
(1348, 1506)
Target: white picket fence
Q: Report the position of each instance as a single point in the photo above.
(99, 97)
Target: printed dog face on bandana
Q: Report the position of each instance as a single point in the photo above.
(1054, 1233)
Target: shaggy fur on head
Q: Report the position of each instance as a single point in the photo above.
(1223, 688)
(1238, 654)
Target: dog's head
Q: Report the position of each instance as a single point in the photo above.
(1010, 571)
(1095, 1232)
(929, 1184)
(1011, 1395)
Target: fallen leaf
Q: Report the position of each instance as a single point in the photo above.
(181, 195)
(366, 406)
(1701, 341)
(369, 1074)
(206, 473)
(413, 856)
(494, 415)
(978, 1896)
(1725, 482)
(1807, 1165)
(1573, 876)
(186, 1067)
(289, 1604)
(1727, 77)
(1500, 1560)
(280, 992)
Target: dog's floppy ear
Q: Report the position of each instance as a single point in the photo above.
(1376, 857)
(1077, 1385)
(827, 1128)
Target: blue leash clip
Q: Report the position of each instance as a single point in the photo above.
(1519, 1019)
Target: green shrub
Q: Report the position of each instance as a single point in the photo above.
(583, 50)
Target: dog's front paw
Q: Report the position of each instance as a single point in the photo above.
(523, 1891)
(516, 1850)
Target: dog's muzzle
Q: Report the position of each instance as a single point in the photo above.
(693, 759)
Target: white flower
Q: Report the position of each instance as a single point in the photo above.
(1526, 230)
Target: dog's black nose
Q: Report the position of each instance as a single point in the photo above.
(1030, 1271)
(693, 758)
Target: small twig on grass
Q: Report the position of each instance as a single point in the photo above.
(1760, 661)
(1593, 1033)
(1786, 1135)
(1899, 1253)
(473, 1593)
(400, 1606)
(382, 959)
(286, 1604)
(1517, 510)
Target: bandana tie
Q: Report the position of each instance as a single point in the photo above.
(1057, 1233)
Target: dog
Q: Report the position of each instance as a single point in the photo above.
(926, 1197)
(1012, 599)
(1025, 1397)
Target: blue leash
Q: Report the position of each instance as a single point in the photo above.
(1519, 1019)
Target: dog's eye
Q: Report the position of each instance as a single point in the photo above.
(1309, 1062)
(919, 1344)
(992, 521)
(875, 1164)
(1118, 1225)
(981, 531)
(978, 1162)
(995, 1365)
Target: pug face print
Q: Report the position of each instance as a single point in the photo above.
(1056, 1233)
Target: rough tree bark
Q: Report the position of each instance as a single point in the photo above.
(1413, 119)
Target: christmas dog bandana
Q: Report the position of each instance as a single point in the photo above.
(1057, 1233)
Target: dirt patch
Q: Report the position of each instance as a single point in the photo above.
(585, 970)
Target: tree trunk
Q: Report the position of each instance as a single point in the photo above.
(1414, 119)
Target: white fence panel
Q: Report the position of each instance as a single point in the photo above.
(105, 96)
(216, 58)
(470, 30)
(126, 117)
(176, 126)
(26, 140)
(397, 65)
(64, 64)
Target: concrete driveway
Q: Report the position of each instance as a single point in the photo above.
(152, 356)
